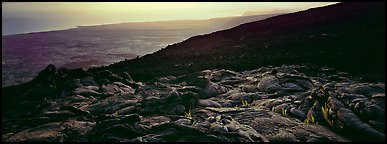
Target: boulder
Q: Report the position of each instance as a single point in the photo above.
(214, 89)
(87, 91)
(88, 81)
(126, 110)
(53, 132)
(269, 84)
(297, 114)
(208, 103)
(154, 121)
(351, 121)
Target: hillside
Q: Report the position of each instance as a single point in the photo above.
(348, 36)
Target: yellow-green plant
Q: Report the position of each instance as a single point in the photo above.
(115, 114)
(237, 107)
(217, 118)
(311, 120)
(245, 103)
(325, 112)
(284, 112)
(188, 115)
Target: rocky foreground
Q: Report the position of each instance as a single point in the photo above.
(290, 103)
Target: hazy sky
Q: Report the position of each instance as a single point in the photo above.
(19, 17)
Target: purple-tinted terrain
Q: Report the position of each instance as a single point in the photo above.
(24, 55)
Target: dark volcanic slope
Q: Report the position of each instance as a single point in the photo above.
(348, 36)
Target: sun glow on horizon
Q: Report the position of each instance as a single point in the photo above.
(57, 15)
(185, 10)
